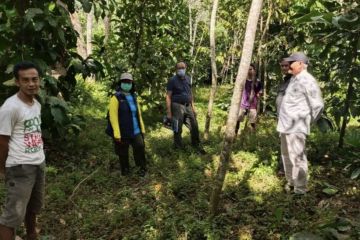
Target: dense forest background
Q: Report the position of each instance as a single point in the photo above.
(83, 46)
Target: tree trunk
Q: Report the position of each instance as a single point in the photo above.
(74, 18)
(260, 53)
(248, 46)
(349, 93)
(107, 27)
(137, 58)
(233, 51)
(193, 67)
(89, 26)
(265, 87)
(190, 24)
(213, 69)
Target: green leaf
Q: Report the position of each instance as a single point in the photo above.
(76, 128)
(58, 115)
(9, 68)
(278, 214)
(333, 233)
(53, 22)
(86, 5)
(61, 35)
(52, 6)
(10, 83)
(305, 236)
(344, 228)
(355, 174)
(324, 124)
(330, 191)
(32, 12)
(38, 26)
(54, 101)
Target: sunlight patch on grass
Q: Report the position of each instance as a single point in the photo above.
(263, 180)
(243, 161)
(245, 233)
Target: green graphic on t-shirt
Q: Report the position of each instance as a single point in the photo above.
(32, 135)
(32, 125)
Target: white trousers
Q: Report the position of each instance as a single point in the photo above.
(294, 160)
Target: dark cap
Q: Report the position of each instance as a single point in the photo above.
(297, 56)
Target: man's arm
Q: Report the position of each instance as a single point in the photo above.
(4, 149)
(168, 104)
(316, 103)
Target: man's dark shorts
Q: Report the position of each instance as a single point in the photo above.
(24, 191)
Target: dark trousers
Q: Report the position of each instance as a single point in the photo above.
(122, 150)
(181, 114)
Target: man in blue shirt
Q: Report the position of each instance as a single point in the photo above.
(180, 106)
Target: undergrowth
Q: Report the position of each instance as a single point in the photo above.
(86, 198)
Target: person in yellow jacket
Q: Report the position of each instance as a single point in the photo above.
(127, 125)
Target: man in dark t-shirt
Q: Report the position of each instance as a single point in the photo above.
(180, 107)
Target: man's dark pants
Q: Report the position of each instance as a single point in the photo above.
(182, 113)
(122, 150)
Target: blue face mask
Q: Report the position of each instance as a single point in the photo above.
(126, 87)
(181, 72)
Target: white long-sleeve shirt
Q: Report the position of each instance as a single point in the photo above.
(301, 105)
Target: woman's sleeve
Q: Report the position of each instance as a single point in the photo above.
(114, 116)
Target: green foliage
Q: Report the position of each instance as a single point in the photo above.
(148, 39)
(87, 198)
(42, 33)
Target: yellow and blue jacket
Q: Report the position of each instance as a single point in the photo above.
(120, 116)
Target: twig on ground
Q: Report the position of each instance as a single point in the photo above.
(78, 185)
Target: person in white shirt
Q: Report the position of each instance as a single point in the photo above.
(22, 158)
(300, 106)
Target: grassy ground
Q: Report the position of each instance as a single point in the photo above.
(86, 198)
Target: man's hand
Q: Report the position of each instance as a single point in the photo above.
(169, 116)
(4, 149)
(117, 140)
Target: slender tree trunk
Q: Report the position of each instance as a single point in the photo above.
(213, 69)
(89, 26)
(137, 59)
(233, 51)
(80, 42)
(193, 25)
(248, 47)
(107, 27)
(74, 18)
(261, 49)
(265, 87)
(350, 92)
(193, 67)
(190, 25)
